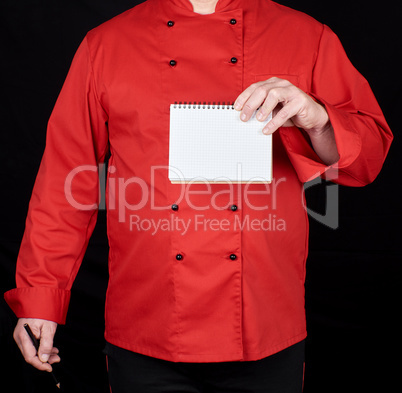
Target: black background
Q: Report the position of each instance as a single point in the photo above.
(353, 273)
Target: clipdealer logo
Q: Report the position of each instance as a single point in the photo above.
(200, 222)
(119, 188)
(146, 191)
(330, 218)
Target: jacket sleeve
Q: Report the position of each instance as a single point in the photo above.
(362, 135)
(63, 206)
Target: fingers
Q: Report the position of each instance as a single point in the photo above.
(274, 95)
(256, 94)
(27, 349)
(281, 118)
(37, 363)
(46, 343)
(250, 100)
(44, 331)
(54, 357)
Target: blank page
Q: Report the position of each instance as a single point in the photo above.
(211, 143)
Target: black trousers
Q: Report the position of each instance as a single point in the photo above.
(130, 372)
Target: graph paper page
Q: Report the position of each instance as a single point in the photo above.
(212, 143)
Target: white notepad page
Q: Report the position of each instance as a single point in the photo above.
(211, 143)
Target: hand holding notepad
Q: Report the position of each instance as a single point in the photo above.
(211, 143)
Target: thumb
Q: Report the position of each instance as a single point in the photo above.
(46, 344)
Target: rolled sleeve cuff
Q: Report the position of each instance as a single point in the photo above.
(348, 140)
(304, 159)
(39, 302)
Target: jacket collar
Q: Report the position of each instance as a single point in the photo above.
(220, 6)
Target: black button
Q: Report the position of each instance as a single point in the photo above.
(233, 257)
(175, 207)
(233, 208)
(179, 257)
(233, 60)
(170, 23)
(233, 21)
(172, 63)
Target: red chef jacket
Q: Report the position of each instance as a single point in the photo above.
(198, 273)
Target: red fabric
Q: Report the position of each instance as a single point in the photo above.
(205, 307)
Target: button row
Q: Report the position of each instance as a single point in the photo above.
(175, 207)
(173, 63)
(233, 257)
(170, 23)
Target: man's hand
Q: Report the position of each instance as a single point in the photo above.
(44, 331)
(290, 106)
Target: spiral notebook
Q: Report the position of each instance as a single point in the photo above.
(210, 143)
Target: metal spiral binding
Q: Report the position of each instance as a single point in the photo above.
(203, 105)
